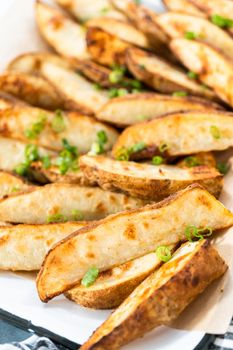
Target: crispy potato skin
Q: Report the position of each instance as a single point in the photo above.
(11, 184)
(104, 48)
(152, 304)
(33, 90)
(125, 177)
(61, 269)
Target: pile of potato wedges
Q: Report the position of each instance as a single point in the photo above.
(109, 158)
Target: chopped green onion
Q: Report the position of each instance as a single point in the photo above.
(136, 84)
(36, 128)
(163, 147)
(31, 153)
(77, 215)
(98, 146)
(223, 168)
(122, 154)
(191, 35)
(117, 92)
(157, 160)
(102, 137)
(15, 189)
(68, 158)
(58, 123)
(141, 117)
(192, 232)
(56, 218)
(115, 76)
(180, 94)
(90, 277)
(97, 86)
(104, 11)
(46, 162)
(222, 22)
(191, 162)
(215, 132)
(138, 147)
(163, 253)
(22, 169)
(192, 75)
(142, 66)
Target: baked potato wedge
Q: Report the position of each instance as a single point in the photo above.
(78, 93)
(80, 131)
(103, 244)
(33, 90)
(65, 36)
(23, 247)
(162, 75)
(184, 6)
(121, 30)
(213, 68)
(176, 25)
(132, 109)
(162, 297)
(11, 184)
(147, 181)
(176, 134)
(65, 201)
(105, 48)
(84, 10)
(113, 286)
(12, 153)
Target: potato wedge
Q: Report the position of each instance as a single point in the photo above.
(161, 75)
(11, 184)
(147, 181)
(132, 109)
(203, 158)
(12, 153)
(105, 48)
(33, 90)
(23, 247)
(113, 286)
(213, 68)
(63, 34)
(176, 25)
(78, 93)
(222, 8)
(104, 244)
(79, 130)
(84, 10)
(184, 6)
(58, 199)
(178, 134)
(161, 297)
(121, 30)
(9, 101)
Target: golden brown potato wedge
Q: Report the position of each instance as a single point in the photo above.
(78, 93)
(184, 6)
(147, 181)
(113, 286)
(84, 10)
(33, 90)
(79, 130)
(161, 75)
(64, 200)
(23, 247)
(12, 153)
(132, 109)
(121, 30)
(203, 158)
(177, 134)
(9, 101)
(105, 48)
(63, 34)
(161, 297)
(176, 25)
(103, 244)
(11, 184)
(213, 68)
(223, 8)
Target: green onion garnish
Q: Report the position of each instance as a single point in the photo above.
(191, 35)
(68, 158)
(223, 168)
(163, 253)
(90, 277)
(138, 147)
(56, 218)
(77, 215)
(123, 154)
(192, 75)
(157, 160)
(36, 128)
(46, 162)
(163, 147)
(191, 162)
(31, 154)
(58, 123)
(192, 232)
(97, 86)
(180, 94)
(117, 92)
(215, 132)
(222, 22)
(15, 189)
(98, 146)
(104, 11)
